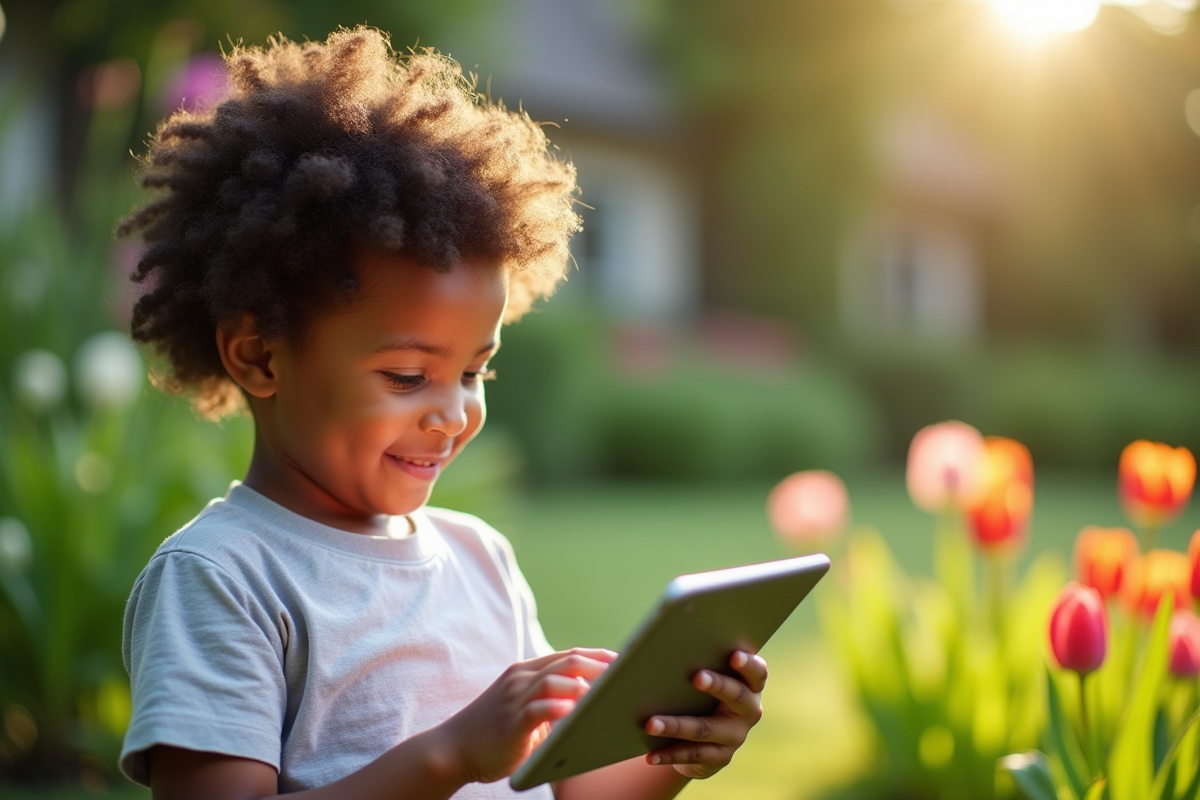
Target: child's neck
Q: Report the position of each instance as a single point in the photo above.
(297, 492)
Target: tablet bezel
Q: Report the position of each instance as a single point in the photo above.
(699, 621)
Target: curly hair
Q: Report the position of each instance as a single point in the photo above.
(321, 151)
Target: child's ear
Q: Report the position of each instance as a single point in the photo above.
(247, 358)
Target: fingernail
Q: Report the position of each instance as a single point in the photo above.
(740, 659)
(655, 760)
(704, 680)
(657, 726)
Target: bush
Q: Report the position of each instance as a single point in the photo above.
(578, 413)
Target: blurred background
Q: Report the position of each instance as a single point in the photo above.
(810, 228)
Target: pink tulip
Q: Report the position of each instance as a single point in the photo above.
(808, 505)
(945, 466)
(1184, 644)
(1079, 629)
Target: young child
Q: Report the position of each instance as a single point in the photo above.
(336, 245)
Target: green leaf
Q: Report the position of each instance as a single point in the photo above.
(1166, 770)
(1131, 771)
(1064, 741)
(1031, 774)
(1096, 790)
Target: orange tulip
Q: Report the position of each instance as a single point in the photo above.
(999, 514)
(1103, 556)
(1155, 482)
(1152, 576)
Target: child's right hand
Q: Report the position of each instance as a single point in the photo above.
(495, 733)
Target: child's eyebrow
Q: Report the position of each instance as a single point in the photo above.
(410, 344)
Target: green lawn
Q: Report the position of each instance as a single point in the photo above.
(598, 556)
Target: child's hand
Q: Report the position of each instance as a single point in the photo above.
(500, 728)
(712, 741)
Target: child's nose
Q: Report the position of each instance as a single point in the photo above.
(448, 414)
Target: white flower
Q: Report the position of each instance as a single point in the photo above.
(16, 546)
(40, 379)
(108, 371)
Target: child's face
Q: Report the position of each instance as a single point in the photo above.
(382, 394)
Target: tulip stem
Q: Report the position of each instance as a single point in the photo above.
(1083, 715)
(1149, 538)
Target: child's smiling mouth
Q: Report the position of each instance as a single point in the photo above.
(423, 468)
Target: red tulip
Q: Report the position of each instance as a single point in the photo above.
(944, 462)
(1079, 629)
(998, 514)
(1184, 645)
(1194, 562)
(809, 505)
(1152, 576)
(1155, 482)
(1103, 556)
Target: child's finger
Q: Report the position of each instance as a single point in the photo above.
(730, 691)
(554, 685)
(578, 664)
(716, 755)
(714, 730)
(577, 653)
(549, 709)
(751, 667)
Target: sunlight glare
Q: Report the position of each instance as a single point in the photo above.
(1038, 18)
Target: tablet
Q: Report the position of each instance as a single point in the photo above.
(700, 621)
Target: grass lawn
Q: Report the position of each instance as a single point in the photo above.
(598, 556)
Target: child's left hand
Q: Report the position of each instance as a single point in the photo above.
(712, 741)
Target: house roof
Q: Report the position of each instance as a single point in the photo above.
(577, 61)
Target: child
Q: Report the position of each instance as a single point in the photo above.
(337, 245)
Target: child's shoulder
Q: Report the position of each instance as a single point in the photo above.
(468, 530)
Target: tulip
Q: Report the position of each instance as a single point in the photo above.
(1194, 564)
(1152, 576)
(1155, 482)
(1184, 644)
(999, 513)
(1103, 557)
(944, 466)
(1079, 629)
(808, 505)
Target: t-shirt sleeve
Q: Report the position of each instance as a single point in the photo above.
(535, 639)
(205, 665)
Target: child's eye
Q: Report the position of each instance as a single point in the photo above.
(404, 381)
(481, 375)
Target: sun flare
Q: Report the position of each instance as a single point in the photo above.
(1037, 18)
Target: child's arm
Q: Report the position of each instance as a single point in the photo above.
(484, 742)
(710, 741)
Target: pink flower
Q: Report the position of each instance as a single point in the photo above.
(945, 466)
(198, 85)
(808, 505)
(1184, 645)
(1079, 629)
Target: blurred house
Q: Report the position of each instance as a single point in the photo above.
(581, 66)
(914, 263)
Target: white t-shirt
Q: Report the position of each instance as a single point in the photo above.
(259, 633)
